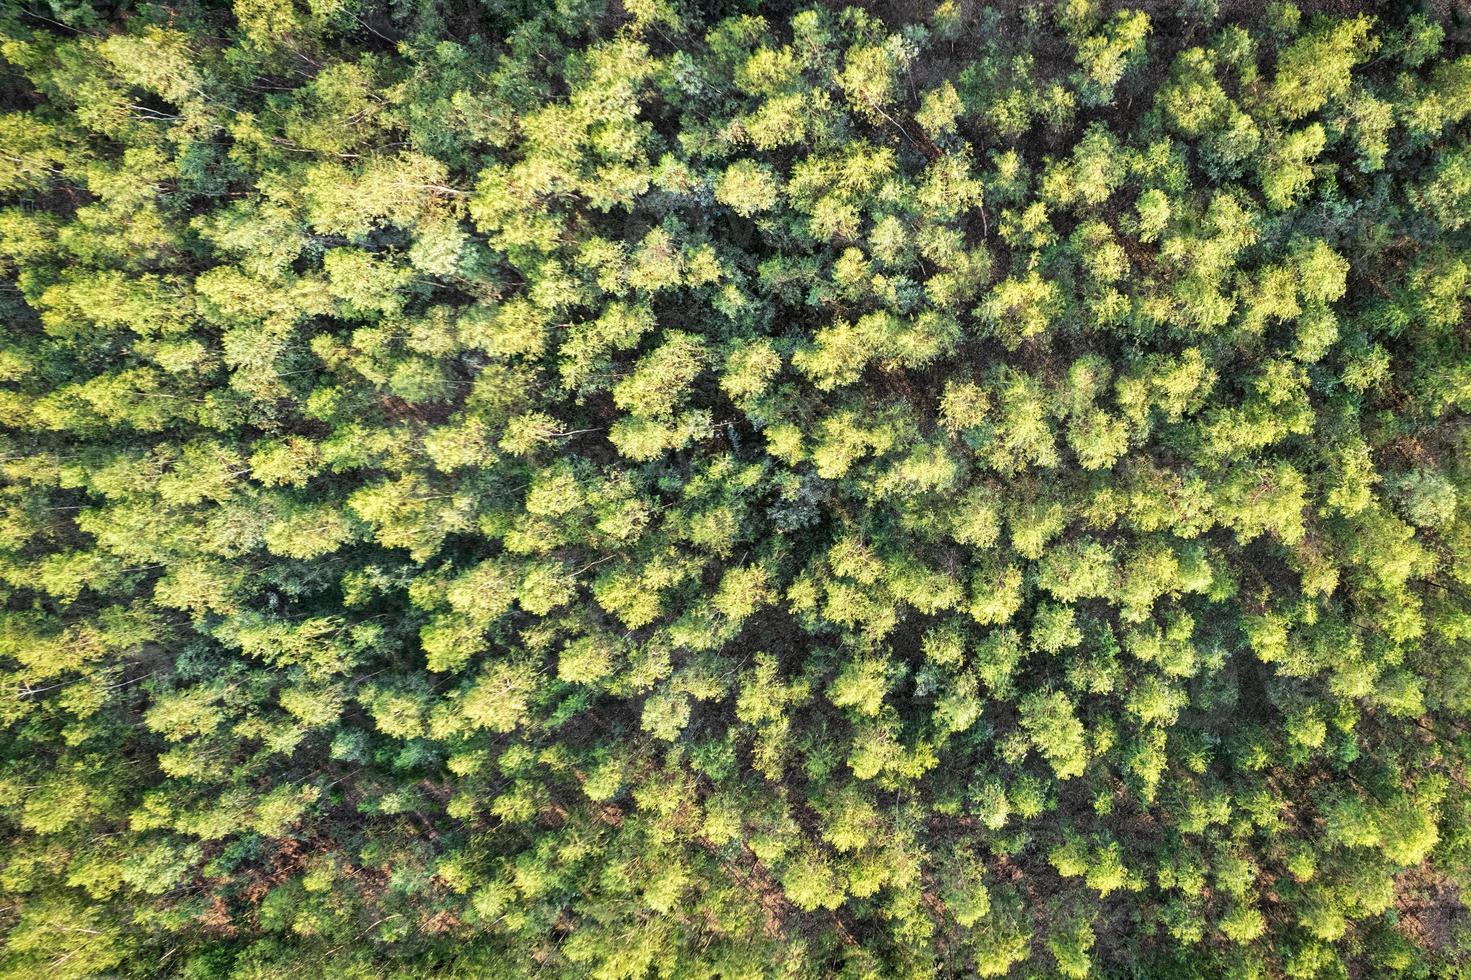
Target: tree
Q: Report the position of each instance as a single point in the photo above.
(747, 188)
(1049, 720)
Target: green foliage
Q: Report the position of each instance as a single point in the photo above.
(659, 489)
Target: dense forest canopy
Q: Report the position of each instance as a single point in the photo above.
(607, 489)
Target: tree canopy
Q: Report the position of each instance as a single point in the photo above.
(642, 488)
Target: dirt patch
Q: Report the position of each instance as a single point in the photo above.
(1430, 909)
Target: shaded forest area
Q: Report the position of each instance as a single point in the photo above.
(734, 489)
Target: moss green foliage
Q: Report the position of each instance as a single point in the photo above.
(670, 489)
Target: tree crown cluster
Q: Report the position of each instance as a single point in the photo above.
(638, 489)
